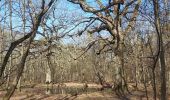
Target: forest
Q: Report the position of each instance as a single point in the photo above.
(84, 50)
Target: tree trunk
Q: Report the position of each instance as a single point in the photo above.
(20, 71)
(161, 50)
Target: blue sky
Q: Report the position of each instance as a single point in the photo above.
(63, 8)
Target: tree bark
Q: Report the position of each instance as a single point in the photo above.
(161, 50)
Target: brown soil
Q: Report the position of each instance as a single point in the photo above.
(36, 93)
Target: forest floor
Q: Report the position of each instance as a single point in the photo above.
(73, 92)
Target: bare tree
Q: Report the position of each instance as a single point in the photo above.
(36, 22)
(113, 26)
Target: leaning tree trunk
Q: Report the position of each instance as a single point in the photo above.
(19, 70)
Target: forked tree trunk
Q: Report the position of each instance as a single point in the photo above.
(161, 50)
